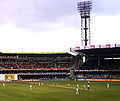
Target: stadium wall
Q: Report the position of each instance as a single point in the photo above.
(102, 79)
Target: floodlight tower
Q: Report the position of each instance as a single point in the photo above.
(84, 8)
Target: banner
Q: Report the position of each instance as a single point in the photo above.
(108, 45)
(92, 46)
(77, 48)
(7, 77)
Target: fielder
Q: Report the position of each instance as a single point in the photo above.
(84, 86)
(3, 84)
(39, 84)
(30, 87)
(77, 85)
(88, 87)
(108, 85)
(77, 91)
(88, 82)
(68, 84)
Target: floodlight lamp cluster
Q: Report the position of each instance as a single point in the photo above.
(84, 8)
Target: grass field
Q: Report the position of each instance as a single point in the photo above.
(59, 91)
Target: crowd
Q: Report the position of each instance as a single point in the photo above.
(92, 64)
(36, 64)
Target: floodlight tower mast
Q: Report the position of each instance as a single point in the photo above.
(84, 9)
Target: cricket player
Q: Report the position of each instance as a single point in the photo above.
(108, 85)
(88, 82)
(84, 86)
(88, 87)
(68, 84)
(30, 87)
(77, 85)
(77, 91)
(3, 84)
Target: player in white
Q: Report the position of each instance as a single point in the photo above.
(68, 84)
(39, 84)
(77, 91)
(88, 82)
(84, 86)
(30, 87)
(108, 85)
(77, 85)
(3, 84)
(88, 87)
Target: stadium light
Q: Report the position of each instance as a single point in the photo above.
(84, 8)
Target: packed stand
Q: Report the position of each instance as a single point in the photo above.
(105, 64)
(60, 62)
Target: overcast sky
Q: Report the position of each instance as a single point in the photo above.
(54, 25)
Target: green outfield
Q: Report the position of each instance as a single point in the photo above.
(59, 91)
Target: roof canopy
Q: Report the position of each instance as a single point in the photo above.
(108, 52)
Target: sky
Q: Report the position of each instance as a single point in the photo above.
(54, 25)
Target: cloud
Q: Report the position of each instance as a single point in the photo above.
(35, 12)
(105, 30)
(17, 39)
(54, 25)
(106, 7)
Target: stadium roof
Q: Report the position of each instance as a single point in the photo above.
(115, 52)
(37, 53)
(34, 52)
